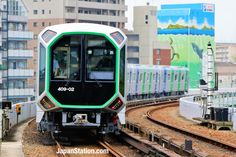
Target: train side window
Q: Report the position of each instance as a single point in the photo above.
(140, 78)
(168, 76)
(42, 66)
(122, 71)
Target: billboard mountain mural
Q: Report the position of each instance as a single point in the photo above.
(188, 28)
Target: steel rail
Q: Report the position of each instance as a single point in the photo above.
(187, 132)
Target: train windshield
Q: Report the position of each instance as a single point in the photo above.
(66, 59)
(100, 59)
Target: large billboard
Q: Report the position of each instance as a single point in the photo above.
(188, 28)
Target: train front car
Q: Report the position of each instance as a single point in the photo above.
(81, 81)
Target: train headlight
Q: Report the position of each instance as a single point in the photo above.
(116, 104)
(47, 103)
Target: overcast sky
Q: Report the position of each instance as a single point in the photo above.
(225, 12)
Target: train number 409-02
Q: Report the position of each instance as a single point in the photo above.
(64, 89)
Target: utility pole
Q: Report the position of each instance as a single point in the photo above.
(210, 80)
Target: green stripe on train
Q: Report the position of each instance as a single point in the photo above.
(172, 81)
(179, 79)
(144, 79)
(150, 82)
(186, 80)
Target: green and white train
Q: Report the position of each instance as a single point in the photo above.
(146, 81)
(83, 79)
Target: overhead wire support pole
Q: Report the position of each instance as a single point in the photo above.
(210, 76)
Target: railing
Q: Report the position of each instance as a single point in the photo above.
(192, 106)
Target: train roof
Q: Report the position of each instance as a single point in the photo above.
(86, 28)
(83, 27)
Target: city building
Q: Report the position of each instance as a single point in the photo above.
(43, 13)
(225, 52)
(14, 52)
(143, 47)
(227, 74)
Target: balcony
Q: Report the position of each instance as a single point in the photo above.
(97, 5)
(70, 15)
(94, 17)
(20, 35)
(24, 92)
(133, 55)
(1, 77)
(15, 18)
(19, 73)
(20, 54)
(70, 3)
(133, 43)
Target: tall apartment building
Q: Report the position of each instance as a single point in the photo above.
(3, 37)
(143, 47)
(43, 13)
(225, 52)
(14, 53)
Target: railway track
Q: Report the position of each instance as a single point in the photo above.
(164, 140)
(105, 145)
(187, 132)
(111, 150)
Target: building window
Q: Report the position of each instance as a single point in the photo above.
(133, 49)
(80, 11)
(42, 11)
(43, 24)
(35, 12)
(133, 60)
(158, 51)
(70, 9)
(49, 24)
(113, 24)
(133, 37)
(35, 36)
(35, 24)
(49, 11)
(35, 0)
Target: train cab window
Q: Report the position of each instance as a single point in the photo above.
(60, 58)
(100, 59)
(66, 59)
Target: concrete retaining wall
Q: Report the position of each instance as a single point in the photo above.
(190, 110)
(28, 110)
